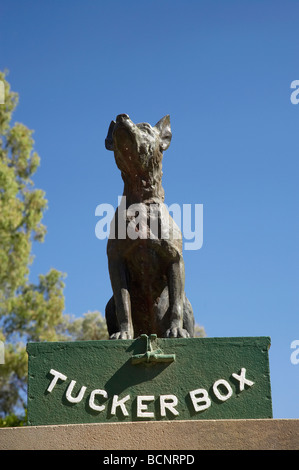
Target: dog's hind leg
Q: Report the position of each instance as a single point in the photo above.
(111, 319)
(176, 285)
(122, 300)
(188, 318)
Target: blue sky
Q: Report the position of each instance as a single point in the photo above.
(222, 70)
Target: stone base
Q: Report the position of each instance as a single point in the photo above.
(255, 434)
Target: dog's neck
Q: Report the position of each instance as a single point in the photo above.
(137, 189)
(144, 185)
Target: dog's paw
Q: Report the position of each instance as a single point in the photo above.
(177, 333)
(121, 335)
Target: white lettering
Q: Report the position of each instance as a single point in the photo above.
(132, 222)
(142, 408)
(2, 92)
(92, 404)
(137, 227)
(134, 460)
(57, 375)
(106, 221)
(197, 234)
(200, 398)
(119, 403)
(113, 460)
(171, 228)
(161, 459)
(204, 398)
(80, 395)
(294, 99)
(241, 378)
(121, 218)
(295, 354)
(219, 395)
(155, 221)
(168, 402)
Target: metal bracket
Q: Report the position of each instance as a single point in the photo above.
(152, 355)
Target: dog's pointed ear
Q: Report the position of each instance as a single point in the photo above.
(109, 139)
(163, 126)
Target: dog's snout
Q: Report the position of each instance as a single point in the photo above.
(122, 117)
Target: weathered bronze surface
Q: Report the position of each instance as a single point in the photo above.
(145, 259)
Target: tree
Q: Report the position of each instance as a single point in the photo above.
(91, 326)
(28, 312)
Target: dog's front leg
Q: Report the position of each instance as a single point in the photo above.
(122, 300)
(176, 289)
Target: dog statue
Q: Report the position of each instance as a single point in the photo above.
(146, 265)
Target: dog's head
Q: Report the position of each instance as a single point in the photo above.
(137, 144)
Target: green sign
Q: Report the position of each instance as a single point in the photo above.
(148, 378)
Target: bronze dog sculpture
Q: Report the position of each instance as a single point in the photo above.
(146, 268)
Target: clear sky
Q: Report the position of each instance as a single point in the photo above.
(222, 70)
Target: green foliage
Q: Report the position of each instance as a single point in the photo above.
(199, 331)
(13, 420)
(28, 312)
(91, 326)
(21, 205)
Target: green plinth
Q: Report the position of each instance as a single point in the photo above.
(149, 379)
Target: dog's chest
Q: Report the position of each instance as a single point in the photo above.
(146, 238)
(146, 268)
